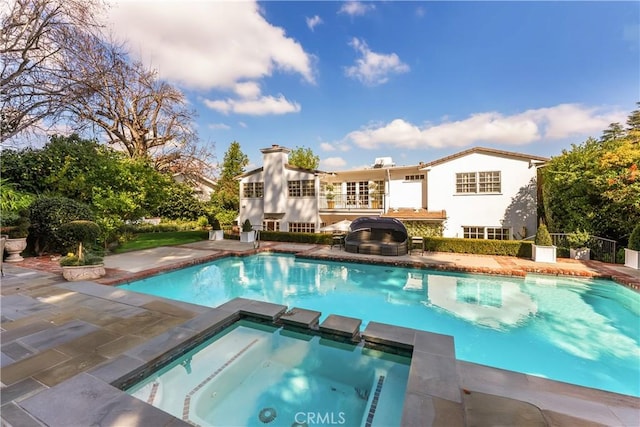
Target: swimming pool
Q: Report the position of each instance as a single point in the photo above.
(584, 332)
(253, 374)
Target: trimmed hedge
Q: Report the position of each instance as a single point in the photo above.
(283, 236)
(517, 248)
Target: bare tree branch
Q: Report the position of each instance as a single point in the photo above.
(32, 45)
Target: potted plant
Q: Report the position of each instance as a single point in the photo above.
(577, 245)
(543, 249)
(80, 264)
(216, 232)
(329, 189)
(632, 253)
(247, 235)
(17, 237)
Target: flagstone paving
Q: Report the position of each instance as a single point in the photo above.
(52, 331)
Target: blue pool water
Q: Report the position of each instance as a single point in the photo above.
(254, 375)
(584, 332)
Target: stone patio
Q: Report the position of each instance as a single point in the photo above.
(62, 339)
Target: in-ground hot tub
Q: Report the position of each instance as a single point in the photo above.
(254, 374)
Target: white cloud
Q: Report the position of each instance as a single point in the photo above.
(256, 106)
(374, 68)
(553, 123)
(335, 146)
(313, 22)
(243, 125)
(247, 89)
(355, 8)
(208, 44)
(219, 126)
(333, 162)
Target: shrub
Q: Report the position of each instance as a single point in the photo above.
(48, 213)
(283, 236)
(420, 228)
(246, 225)
(578, 238)
(20, 226)
(543, 238)
(180, 203)
(634, 239)
(518, 248)
(73, 235)
(72, 260)
(215, 224)
(202, 222)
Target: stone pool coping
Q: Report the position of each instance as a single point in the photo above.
(131, 266)
(440, 389)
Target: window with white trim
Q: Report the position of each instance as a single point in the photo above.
(491, 233)
(498, 233)
(478, 182)
(302, 227)
(466, 182)
(473, 232)
(303, 188)
(271, 225)
(413, 177)
(253, 189)
(489, 182)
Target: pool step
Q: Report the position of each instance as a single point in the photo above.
(342, 326)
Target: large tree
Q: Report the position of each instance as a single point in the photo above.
(303, 157)
(226, 196)
(128, 104)
(33, 44)
(595, 186)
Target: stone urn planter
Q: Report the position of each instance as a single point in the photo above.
(583, 254)
(14, 247)
(631, 258)
(83, 272)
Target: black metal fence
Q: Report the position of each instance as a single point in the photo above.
(602, 249)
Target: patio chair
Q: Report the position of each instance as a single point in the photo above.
(337, 239)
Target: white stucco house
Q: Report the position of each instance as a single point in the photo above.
(476, 193)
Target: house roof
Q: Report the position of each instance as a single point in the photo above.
(249, 173)
(411, 214)
(287, 166)
(484, 150)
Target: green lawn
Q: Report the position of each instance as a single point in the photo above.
(153, 240)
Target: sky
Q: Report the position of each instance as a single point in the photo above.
(414, 81)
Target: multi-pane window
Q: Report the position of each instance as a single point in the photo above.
(413, 177)
(478, 182)
(489, 182)
(302, 227)
(308, 188)
(497, 233)
(304, 188)
(492, 233)
(294, 189)
(466, 182)
(253, 189)
(351, 192)
(473, 232)
(270, 225)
